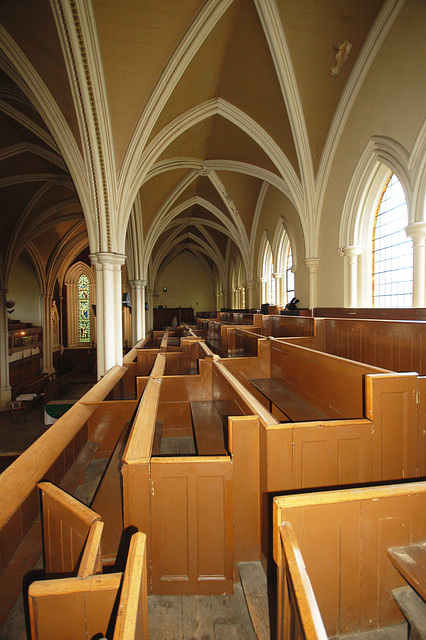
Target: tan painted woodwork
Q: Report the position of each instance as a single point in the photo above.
(344, 536)
(192, 546)
(298, 614)
(66, 527)
(410, 560)
(49, 457)
(80, 608)
(91, 561)
(132, 615)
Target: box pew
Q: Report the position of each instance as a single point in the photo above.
(197, 350)
(130, 361)
(396, 345)
(288, 326)
(112, 605)
(344, 536)
(71, 534)
(194, 552)
(58, 456)
(353, 398)
(298, 614)
(243, 342)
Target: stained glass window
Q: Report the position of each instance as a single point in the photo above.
(392, 250)
(84, 308)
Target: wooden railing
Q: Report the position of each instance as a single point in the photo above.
(298, 613)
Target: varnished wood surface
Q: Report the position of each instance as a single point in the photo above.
(296, 409)
(410, 560)
(208, 429)
(199, 617)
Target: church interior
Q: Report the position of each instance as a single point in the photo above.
(212, 319)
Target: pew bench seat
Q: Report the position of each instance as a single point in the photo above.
(208, 429)
(410, 560)
(413, 607)
(293, 408)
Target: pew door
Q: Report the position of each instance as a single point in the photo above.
(192, 549)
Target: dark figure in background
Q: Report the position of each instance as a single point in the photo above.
(292, 304)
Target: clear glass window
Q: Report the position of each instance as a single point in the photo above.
(289, 276)
(392, 250)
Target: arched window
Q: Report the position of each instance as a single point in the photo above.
(392, 250)
(83, 308)
(289, 275)
(272, 284)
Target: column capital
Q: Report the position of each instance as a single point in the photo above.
(312, 264)
(277, 275)
(416, 231)
(107, 259)
(351, 251)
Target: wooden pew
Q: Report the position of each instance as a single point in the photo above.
(298, 614)
(50, 458)
(357, 400)
(344, 536)
(80, 608)
(201, 544)
(67, 527)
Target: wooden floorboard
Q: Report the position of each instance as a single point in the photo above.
(255, 589)
(199, 617)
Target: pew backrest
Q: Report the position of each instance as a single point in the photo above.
(67, 525)
(299, 617)
(344, 536)
(91, 606)
(132, 616)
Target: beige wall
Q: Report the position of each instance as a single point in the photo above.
(390, 103)
(23, 289)
(176, 277)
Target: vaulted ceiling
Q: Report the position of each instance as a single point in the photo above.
(204, 102)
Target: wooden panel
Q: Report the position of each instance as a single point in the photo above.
(391, 405)
(66, 525)
(72, 608)
(421, 426)
(132, 615)
(332, 454)
(278, 464)
(344, 536)
(244, 447)
(192, 526)
(107, 422)
(390, 344)
(176, 419)
(334, 385)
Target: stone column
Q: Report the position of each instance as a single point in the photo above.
(100, 356)
(46, 299)
(262, 290)
(61, 322)
(278, 287)
(138, 310)
(5, 390)
(108, 310)
(417, 232)
(352, 253)
(249, 295)
(118, 261)
(312, 265)
(150, 312)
